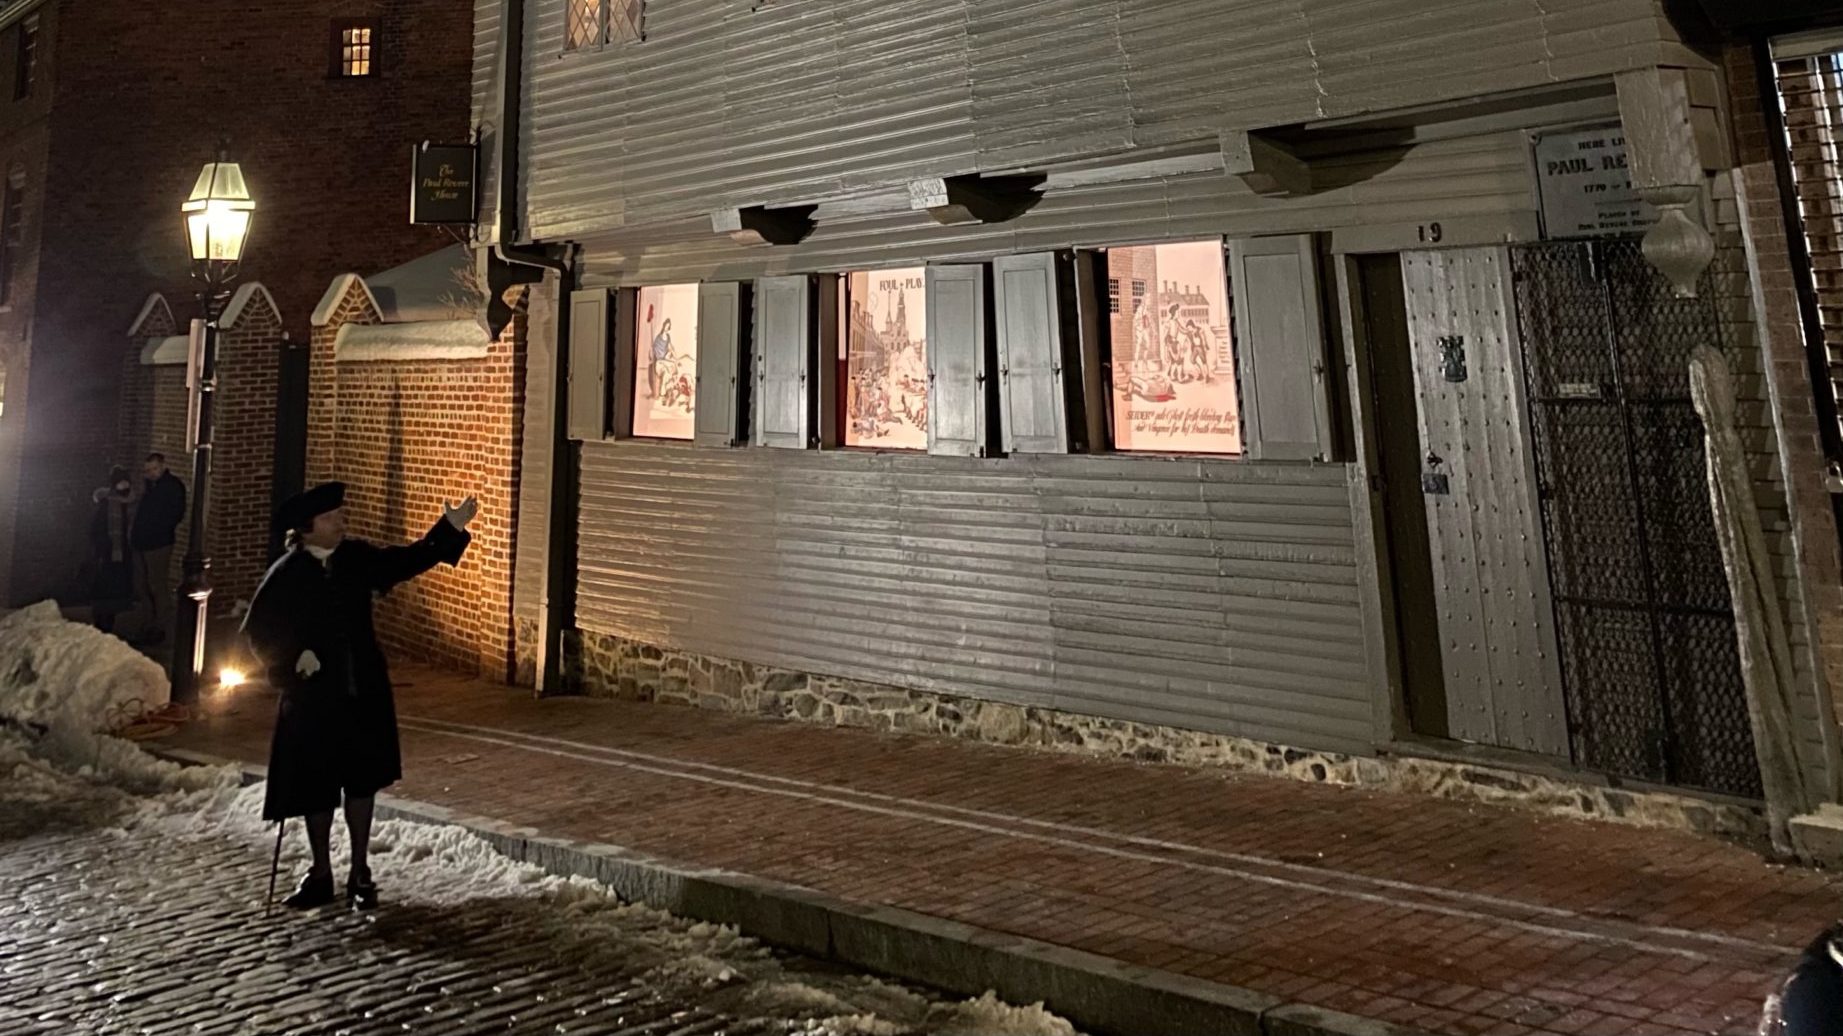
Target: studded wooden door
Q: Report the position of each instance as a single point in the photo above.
(1502, 681)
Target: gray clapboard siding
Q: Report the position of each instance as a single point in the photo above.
(1447, 180)
(485, 82)
(724, 104)
(1211, 595)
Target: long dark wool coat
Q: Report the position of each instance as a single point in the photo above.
(337, 729)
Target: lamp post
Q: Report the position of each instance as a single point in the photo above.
(217, 216)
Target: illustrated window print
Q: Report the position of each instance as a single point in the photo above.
(1174, 353)
(355, 46)
(886, 359)
(1113, 294)
(666, 362)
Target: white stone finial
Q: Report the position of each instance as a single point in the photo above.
(1677, 244)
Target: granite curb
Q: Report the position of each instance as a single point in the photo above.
(1098, 994)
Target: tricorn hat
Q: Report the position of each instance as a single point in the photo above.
(300, 510)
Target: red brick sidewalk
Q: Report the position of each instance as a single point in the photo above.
(1435, 915)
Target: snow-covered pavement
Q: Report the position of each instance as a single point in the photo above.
(131, 901)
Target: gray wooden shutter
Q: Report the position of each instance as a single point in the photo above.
(588, 373)
(1285, 404)
(719, 309)
(1031, 401)
(783, 339)
(956, 361)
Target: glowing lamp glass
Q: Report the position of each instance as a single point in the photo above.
(228, 678)
(218, 213)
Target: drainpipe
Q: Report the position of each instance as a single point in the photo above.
(557, 607)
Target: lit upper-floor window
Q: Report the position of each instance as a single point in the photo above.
(12, 231)
(354, 49)
(591, 23)
(25, 59)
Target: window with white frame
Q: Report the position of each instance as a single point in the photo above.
(884, 327)
(666, 362)
(12, 231)
(1174, 355)
(588, 24)
(25, 58)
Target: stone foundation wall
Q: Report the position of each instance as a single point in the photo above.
(602, 665)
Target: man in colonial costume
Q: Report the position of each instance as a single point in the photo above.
(310, 625)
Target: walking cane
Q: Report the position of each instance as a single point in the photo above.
(275, 865)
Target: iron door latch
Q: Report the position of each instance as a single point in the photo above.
(1435, 483)
(1452, 358)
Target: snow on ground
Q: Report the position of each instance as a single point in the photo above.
(55, 672)
(60, 682)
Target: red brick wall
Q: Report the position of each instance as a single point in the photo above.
(243, 470)
(142, 100)
(1782, 335)
(405, 437)
(134, 430)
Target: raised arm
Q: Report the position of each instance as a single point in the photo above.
(385, 567)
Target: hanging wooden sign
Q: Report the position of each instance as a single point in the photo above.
(444, 184)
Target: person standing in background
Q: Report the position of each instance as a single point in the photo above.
(156, 524)
(111, 557)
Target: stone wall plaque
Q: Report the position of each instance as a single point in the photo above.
(1586, 190)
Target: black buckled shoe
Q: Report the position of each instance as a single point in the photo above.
(361, 891)
(314, 891)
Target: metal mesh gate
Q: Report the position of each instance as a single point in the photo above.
(1645, 624)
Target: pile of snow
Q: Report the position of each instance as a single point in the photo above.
(61, 682)
(56, 673)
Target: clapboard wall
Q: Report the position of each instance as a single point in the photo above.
(1205, 594)
(732, 102)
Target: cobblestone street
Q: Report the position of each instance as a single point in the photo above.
(115, 919)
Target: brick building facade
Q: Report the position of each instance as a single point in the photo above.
(123, 108)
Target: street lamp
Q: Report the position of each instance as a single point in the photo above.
(217, 216)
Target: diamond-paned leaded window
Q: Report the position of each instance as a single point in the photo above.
(593, 23)
(626, 21)
(584, 30)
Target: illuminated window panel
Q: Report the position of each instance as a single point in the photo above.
(1173, 372)
(666, 362)
(886, 359)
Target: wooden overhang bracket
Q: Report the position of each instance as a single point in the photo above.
(760, 225)
(1268, 167)
(959, 200)
(500, 277)
(1675, 137)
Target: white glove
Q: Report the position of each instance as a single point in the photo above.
(308, 664)
(460, 514)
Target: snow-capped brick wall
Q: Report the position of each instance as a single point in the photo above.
(410, 415)
(154, 401)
